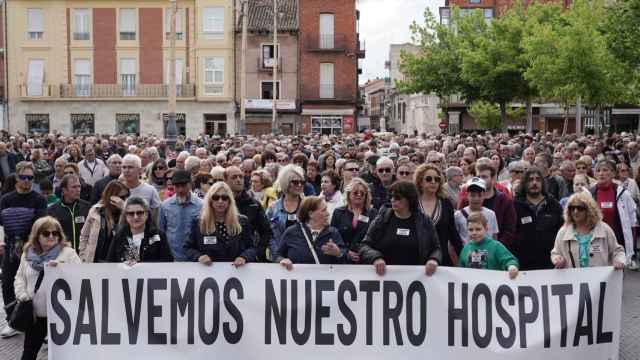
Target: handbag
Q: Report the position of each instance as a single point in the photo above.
(311, 249)
(21, 315)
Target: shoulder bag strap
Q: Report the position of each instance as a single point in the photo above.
(39, 281)
(313, 251)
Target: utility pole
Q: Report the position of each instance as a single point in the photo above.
(276, 54)
(243, 64)
(172, 128)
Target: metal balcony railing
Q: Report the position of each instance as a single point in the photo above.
(332, 42)
(266, 64)
(119, 90)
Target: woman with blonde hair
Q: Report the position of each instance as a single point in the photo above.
(435, 204)
(585, 240)
(47, 245)
(221, 233)
(352, 220)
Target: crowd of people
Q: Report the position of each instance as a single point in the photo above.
(483, 200)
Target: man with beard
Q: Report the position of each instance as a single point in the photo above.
(538, 219)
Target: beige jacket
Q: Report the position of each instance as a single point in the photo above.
(26, 278)
(89, 235)
(603, 248)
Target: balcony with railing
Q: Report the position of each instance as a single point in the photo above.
(330, 43)
(118, 90)
(330, 93)
(267, 64)
(362, 51)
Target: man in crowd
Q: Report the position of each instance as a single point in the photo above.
(178, 212)
(454, 182)
(131, 169)
(248, 167)
(552, 185)
(58, 174)
(538, 219)
(92, 169)
(8, 162)
(260, 229)
(567, 172)
(71, 211)
(18, 211)
(381, 183)
(114, 164)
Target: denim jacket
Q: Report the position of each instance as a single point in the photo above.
(174, 219)
(277, 216)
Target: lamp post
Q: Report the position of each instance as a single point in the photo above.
(276, 53)
(172, 128)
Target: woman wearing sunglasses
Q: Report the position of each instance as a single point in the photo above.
(100, 226)
(352, 221)
(220, 234)
(401, 234)
(202, 182)
(585, 240)
(137, 238)
(156, 175)
(435, 204)
(46, 246)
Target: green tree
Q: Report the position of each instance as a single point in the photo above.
(488, 116)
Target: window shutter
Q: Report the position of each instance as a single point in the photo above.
(83, 67)
(213, 19)
(81, 18)
(128, 66)
(127, 20)
(35, 77)
(35, 20)
(326, 24)
(178, 72)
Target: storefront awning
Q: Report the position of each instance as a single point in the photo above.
(327, 111)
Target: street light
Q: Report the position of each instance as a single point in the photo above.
(172, 128)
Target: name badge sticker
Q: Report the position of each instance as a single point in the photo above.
(596, 248)
(403, 232)
(526, 220)
(79, 219)
(292, 217)
(210, 240)
(364, 219)
(606, 205)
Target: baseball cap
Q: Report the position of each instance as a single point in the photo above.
(476, 183)
(180, 177)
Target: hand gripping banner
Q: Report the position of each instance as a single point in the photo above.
(191, 311)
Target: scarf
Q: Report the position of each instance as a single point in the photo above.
(37, 261)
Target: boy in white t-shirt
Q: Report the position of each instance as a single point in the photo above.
(476, 188)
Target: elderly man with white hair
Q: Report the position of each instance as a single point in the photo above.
(131, 170)
(384, 177)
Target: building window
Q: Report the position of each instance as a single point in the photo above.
(266, 89)
(128, 76)
(82, 77)
(327, 31)
(488, 15)
(213, 76)
(127, 22)
(445, 16)
(83, 124)
(181, 123)
(35, 24)
(178, 75)
(215, 124)
(326, 125)
(213, 22)
(179, 22)
(81, 24)
(268, 56)
(37, 123)
(35, 78)
(474, 1)
(326, 81)
(128, 123)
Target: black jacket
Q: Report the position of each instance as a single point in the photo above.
(342, 220)
(85, 191)
(536, 233)
(447, 232)
(429, 247)
(240, 245)
(379, 194)
(72, 218)
(12, 160)
(294, 245)
(98, 188)
(158, 251)
(258, 227)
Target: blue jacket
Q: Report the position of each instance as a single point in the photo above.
(295, 248)
(174, 219)
(277, 216)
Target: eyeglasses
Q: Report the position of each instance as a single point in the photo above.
(352, 169)
(161, 168)
(573, 208)
(359, 193)
(283, 161)
(50, 233)
(385, 170)
(297, 182)
(69, 173)
(25, 177)
(219, 197)
(139, 213)
(429, 179)
(404, 173)
(236, 177)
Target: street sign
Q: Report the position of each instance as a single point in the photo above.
(443, 125)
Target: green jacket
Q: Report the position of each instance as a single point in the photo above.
(487, 254)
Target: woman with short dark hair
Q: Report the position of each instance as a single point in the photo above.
(311, 240)
(402, 235)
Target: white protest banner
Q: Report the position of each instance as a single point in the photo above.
(191, 311)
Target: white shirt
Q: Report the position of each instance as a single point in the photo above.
(91, 172)
(461, 223)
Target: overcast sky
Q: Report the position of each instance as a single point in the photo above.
(384, 22)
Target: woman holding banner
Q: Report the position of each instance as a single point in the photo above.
(585, 240)
(311, 240)
(402, 235)
(220, 234)
(47, 245)
(138, 239)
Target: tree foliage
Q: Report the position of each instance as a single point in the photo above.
(489, 116)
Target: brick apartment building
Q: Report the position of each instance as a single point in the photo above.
(329, 51)
(3, 85)
(102, 66)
